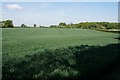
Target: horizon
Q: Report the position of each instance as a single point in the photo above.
(52, 13)
(56, 25)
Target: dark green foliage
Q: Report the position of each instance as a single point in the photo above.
(23, 26)
(34, 25)
(53, 26)
(83, 62)
(62, 24)
(8, 24)
(98, 25)
(90, 25)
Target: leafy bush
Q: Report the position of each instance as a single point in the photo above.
(8, 24)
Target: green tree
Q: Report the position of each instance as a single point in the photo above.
(62, 24)
(53, 26)
(34, 25)
(8, 24)
(23, 25)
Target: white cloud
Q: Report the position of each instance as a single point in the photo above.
(14, 6)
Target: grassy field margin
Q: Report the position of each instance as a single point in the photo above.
(109, 30)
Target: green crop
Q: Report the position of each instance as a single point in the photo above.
(53, 52)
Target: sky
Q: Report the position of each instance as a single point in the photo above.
(60, 0)
(52, 13)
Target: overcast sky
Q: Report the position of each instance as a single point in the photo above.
(53, 13)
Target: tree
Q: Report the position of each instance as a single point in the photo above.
(8, 24)
(53, 26)
(62, 24)
(34, 25)
(42, 26)
(23, 25)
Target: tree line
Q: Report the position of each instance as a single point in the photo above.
(9, 24)
(89, 25)
(82, 25)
